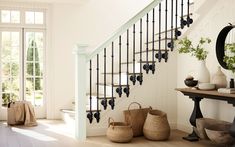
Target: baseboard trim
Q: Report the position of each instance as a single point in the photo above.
(92, 132)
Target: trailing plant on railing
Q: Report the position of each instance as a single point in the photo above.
(186, 46)
(230, 60)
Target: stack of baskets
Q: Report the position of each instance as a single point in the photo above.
(153, 124)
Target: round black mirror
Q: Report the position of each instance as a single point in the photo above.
(225, 38)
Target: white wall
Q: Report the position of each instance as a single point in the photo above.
(213, 16)
(70, 24)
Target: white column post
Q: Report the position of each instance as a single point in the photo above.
(80, 92)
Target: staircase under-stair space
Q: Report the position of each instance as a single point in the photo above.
(122, 62)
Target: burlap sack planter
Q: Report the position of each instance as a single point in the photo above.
(119, 132)
(156, 126)
(136, 118)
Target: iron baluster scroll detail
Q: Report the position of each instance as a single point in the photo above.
(177, 32)
(127, 89)
(97, 114)
(112, 101)
(119, 89)
(133, 76)
(146, 66)
(140, 76)
(189, 20)
(104, 101)
(90, 114)
(152, 66)
(171, 43)
(182, 21)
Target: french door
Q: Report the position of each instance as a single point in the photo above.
(22, 68)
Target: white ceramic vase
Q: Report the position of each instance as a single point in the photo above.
(203, 73)
(219, 79)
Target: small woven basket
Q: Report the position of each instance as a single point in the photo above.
(119, 132)
(156, 126)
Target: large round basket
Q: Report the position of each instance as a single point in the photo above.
(119, 132)
(156, 126)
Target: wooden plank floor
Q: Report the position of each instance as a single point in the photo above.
(57, 134)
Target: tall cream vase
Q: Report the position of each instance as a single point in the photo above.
(203, 73)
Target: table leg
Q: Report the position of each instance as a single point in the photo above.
(232, 130)
(195, 114)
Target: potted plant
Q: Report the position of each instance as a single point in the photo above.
(186, 46)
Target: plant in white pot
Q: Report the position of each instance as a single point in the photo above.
(185, 46)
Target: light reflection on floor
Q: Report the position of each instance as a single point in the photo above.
(33, 134)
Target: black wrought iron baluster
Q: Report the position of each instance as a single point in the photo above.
(182, 21)
(119, 89)
(112, 101)
(90, 114)
(171, 43)
(177, 32)
(165, 55)
(159, 54)
(146, 65)
(152, 66)
(189, 20)
(133, 76)
(104, 101)
(140, 76)
(97, 114)
(127, 88)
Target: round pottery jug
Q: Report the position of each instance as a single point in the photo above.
(156, 126)
(219, 79)
(203, 73)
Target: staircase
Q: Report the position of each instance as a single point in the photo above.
(122, 62)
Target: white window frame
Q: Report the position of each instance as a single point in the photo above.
(32, 27)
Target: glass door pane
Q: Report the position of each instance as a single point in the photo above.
(34, 41)
(10, 65)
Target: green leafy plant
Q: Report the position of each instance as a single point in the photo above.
(230, 60)
(186, 46)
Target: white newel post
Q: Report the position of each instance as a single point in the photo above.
(80, 92)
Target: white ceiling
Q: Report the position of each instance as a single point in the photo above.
(48, 1)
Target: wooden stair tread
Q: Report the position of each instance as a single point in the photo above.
(155, 50)
(136, 63)
(190, 14)
(71, 111)
(163, 39)
(167, 31)
(177, 27)
(94, 94)
(107, 97)
(117, 73)
(114, 85)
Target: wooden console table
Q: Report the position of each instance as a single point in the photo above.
(197, 96)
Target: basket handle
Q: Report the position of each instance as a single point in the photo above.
(134, 103)
(111, 120)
